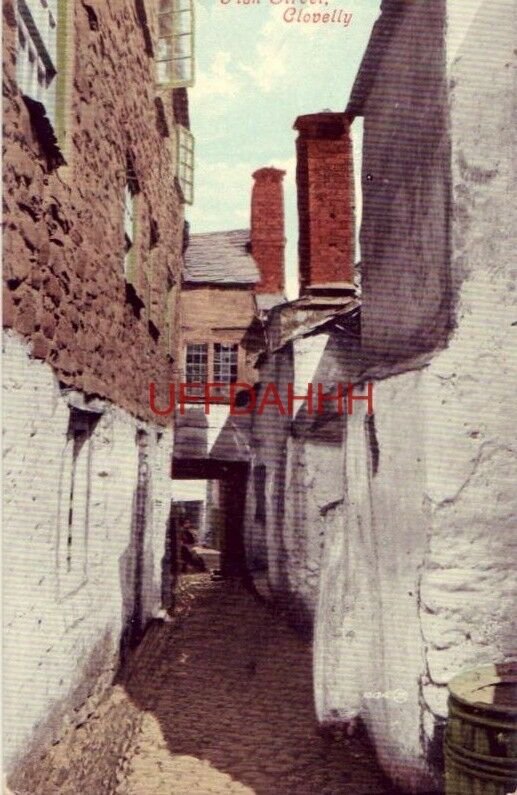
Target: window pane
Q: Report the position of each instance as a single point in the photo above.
(165, 25)
(197, 362)
(182, 23)
(36, 53)
(128, 214)
(178, 72)
(175, 25)
(185, 162)
(182, 46)
(225, 363)
(165, 49)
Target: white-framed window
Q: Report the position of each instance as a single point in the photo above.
(130, 221)
(196, 362)
(185, 162)
(36, 51)
(226, 360)
(175, 46)
(168, 321)
(129, 231)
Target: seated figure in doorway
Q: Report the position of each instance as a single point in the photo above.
(189, 557)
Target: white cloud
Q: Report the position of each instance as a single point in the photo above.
(270, 64)
(223, 191)
(219, 80)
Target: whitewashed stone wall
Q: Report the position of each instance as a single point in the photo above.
(314, 481)
(63, 629)
(416, 576)
(423, 581)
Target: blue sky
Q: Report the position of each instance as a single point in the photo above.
(255, 74)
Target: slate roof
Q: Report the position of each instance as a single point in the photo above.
(220, 258)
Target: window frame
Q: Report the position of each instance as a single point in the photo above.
(129, 234)
(41, 43)
(130, 226)
(173, 12)
(53, 54)
(198, 379)
(222, 393)
(185, 142)
(232, 348)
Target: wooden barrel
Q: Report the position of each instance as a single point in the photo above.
(481, 733)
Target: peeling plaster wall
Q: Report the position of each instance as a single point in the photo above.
(417, 581)
(268, 441)
(369, 654)
(63, 631)
(310, 491)
(298, 489)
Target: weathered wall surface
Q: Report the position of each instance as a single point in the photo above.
(423, 578)
(269, 449)
(406, 185)
(311, 492)
(63, 241)
(416, 576)
(66, 625)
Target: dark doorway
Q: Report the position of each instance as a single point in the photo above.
(227, 516)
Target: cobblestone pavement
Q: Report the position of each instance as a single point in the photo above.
(227, 707)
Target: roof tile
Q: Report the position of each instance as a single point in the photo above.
(221, 258)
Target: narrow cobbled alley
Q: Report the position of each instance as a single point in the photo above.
(227, 704)
(219, 700)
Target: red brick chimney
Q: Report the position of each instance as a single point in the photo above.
(267, 228)
(325, 181)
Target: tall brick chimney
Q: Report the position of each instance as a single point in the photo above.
(325, 181)
(267, 228)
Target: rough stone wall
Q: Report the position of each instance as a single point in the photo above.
(64, 631)
(63, 241)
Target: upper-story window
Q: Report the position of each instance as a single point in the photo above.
(196, 364)
(185, 163)
(174, 55)
(36, 51)
(131, 190)
(225, 363)
(129, 229)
